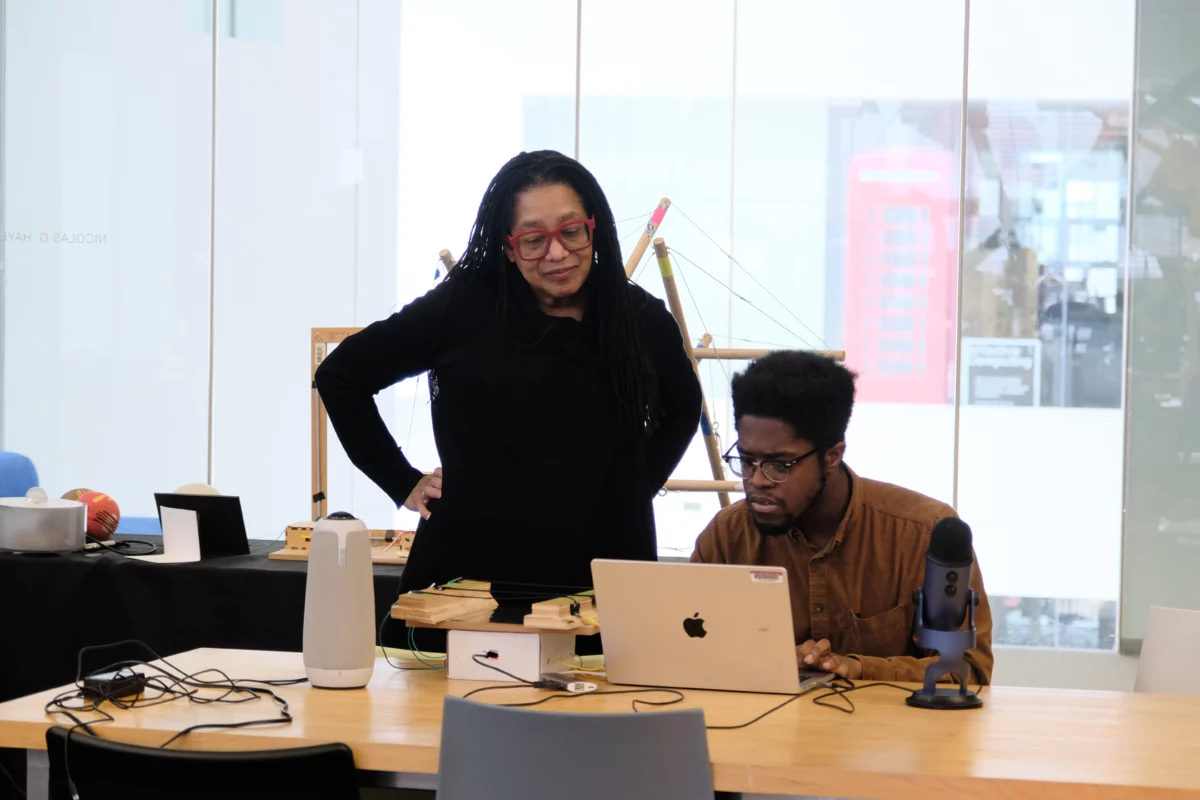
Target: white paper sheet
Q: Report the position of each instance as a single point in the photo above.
(181, 537)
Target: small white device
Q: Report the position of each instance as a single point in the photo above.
(38, 524)
(526, 655)
(339, 605)
(698, 626)
(565, 682)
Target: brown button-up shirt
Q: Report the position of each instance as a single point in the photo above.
(857, 590)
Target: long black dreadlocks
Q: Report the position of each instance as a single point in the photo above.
(622, 346)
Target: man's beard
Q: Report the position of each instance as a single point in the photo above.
(789, 524)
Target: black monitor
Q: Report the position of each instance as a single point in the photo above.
(219, 522)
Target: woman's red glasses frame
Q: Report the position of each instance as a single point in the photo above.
(556, 233)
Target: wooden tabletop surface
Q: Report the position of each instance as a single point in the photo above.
(1024, 743)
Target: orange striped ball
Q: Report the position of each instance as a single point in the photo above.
(102, 514)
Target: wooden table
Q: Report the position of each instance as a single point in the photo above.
(1024, 743)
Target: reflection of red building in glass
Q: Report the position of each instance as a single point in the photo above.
(900, 274)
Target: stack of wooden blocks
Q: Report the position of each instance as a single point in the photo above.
(564, 613)
(451, 601)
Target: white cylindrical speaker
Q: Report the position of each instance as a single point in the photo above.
(339, 605)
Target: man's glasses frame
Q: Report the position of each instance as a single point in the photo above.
(772, 469)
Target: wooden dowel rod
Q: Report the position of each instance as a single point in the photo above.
(317, 460)
(643, 242)
(447, 259)
(704, 486)
(710, 438)
(317, 352)
(323, 429)
(747, 354)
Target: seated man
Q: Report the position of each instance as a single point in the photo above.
(854, 548)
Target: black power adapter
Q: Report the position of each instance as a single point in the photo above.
(113, 685)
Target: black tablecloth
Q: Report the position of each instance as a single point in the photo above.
(55, 605)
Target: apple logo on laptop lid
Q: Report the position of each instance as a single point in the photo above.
(693, 626)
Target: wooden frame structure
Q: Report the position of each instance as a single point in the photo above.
(718, 484)
(323, 338)
(320, 343)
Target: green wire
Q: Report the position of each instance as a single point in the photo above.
(412, 646)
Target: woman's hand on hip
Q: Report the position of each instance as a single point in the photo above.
(428, 488)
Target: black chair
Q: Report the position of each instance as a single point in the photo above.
(102, 769)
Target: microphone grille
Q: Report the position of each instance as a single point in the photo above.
(950, 542)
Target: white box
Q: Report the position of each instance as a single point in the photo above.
(525, 655)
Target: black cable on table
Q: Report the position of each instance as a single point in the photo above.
(116, 547)
(839, 691)
(171, 684)
(678, 696)
(767, 713)
(169, 691)
(506, 673)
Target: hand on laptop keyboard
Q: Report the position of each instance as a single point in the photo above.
(818, 655)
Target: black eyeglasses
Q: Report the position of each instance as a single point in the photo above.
(774, 471)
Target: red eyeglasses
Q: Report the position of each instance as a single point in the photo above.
(573, 235)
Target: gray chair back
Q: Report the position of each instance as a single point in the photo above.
(521, 754)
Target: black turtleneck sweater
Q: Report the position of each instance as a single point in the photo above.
(538, 479)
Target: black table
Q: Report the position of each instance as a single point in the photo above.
(55, 605)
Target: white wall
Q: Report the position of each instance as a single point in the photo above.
(107, 135)
(108, 132)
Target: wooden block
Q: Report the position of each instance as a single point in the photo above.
(563, 607)
(468, 605)
(299, 540)
(563, 613)
(379, 555)
(558, 608)
(299, 535)
(450, 601)
(548, 624)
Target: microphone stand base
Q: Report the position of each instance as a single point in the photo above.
(948, 699)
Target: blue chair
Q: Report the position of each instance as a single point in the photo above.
(17, 475)
(103, 769)
(140, 526)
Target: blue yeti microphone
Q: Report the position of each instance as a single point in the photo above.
(943, 604)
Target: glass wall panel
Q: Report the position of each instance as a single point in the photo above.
(656, 119)
(1042, 426)
(1162, 468)
(846, 211)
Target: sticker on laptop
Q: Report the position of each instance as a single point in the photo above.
(763, 576)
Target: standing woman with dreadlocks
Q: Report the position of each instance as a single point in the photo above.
(562, 397)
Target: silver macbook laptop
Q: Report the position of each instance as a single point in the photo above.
(698, 626)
